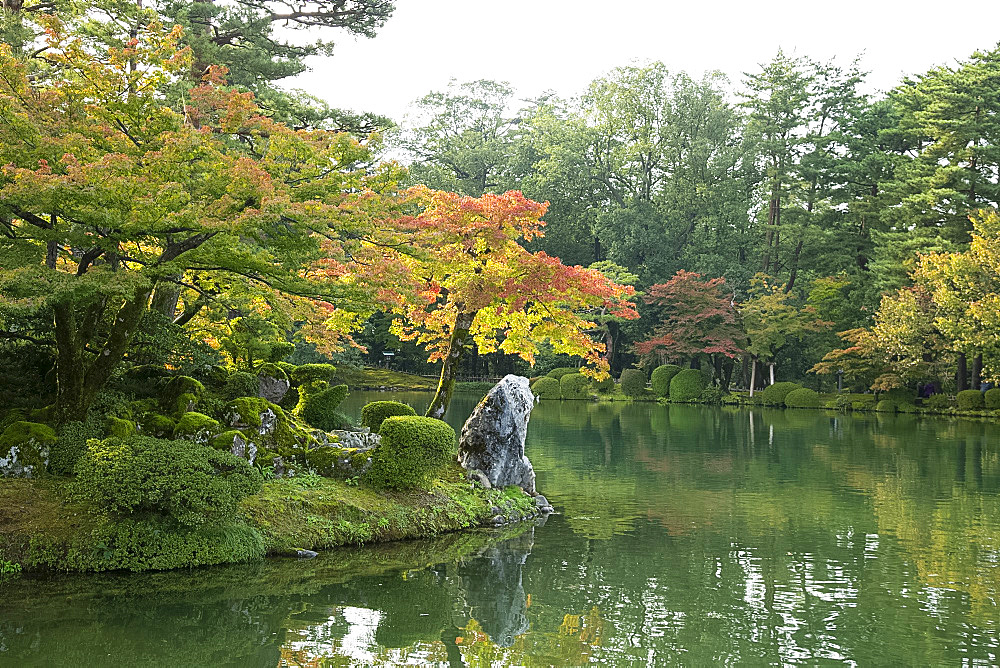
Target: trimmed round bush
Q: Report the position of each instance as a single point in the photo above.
(661, 377)
(375, 413)
(774, 395)
(546, 388)
(574, 386)
(991, 398)
(802, 398)
(272, 371)
(687, 385)
(241, 384)
(970, 400)
(307, 373)
(711, 395)
(320, 408)
(886, 406)
(178, 479)
(901, 395)
(412, 450)
(633, 382)
(937, 402)
(603, 386)
(561, 371)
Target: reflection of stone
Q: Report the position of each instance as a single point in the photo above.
(492, 588)
(493, 437)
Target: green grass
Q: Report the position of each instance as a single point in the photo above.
(376, 379)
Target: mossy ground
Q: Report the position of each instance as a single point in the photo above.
(42, 527)
(377, 379)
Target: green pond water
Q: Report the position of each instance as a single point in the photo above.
(685, 535)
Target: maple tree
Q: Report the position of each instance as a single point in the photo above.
(107, 195)
(471, 282)
(698, 317)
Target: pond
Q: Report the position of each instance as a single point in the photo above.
(685, 535)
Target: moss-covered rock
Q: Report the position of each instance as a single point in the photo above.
(119, 427)
(661, 377)
(196, 427)
(24, 449)
(236, 443)
(331, 461)
(574, 386)
(412, 451)
(802, 398)
(546, 388)
(687, 385)
(158, 426)
(268, 426)
(374, 413)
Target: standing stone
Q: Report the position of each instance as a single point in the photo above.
(272, 389)
(492, 439)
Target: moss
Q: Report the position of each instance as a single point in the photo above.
(970, 400)
(574, 386)
(802, 398)
(412, 450)
(334, 462)
(546, 388)
(246, 411)
(196, 427)
(774, 395)
(224, 441)
(273, 371)
(42, 415)
(179, 385)
(119, 427)
(633, 382)
(374, 413)
(183, 403)
(661, 377)
(287, 367)
(241, 384)
(687, 385)
(157, 425)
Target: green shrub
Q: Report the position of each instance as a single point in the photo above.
(774, 395)
(687, 385)
(901, 395)
(574, 386)
(561, 371)
(603, 386)
(863, 405)
(937, 402)
(633, 382)
(970, 400)
(179, 385)
(178, 479)
(661, 377)
(412, 450)
(272, 371)
(71, 442)
(802, 398)
(319, 409)
(546, 388)
(307, 373)
(196, 427)
(886, 406)
(842, 402)
(373, 414)
(991, 398)
(241, 384)
(287, 367)
(26, 446)
(711, 395)
(279, 351)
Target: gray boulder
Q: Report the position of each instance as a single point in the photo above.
(492, 439)
(273, 389)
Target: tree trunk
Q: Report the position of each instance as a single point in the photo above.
(977, 371)
(962, 374)
(449, 371)
(165, 298)
(753, 375)
(771, 365)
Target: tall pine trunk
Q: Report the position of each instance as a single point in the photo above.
(449, 371)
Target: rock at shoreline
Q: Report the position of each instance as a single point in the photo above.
(492, 439)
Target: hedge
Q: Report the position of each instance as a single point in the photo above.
(561, 371)
(774, 395)
(661, 377)
(687, 385)
(412, 451)
(574, 386)
(182, 480)
(970, 400)
(886, 406)
(991, 399)
(373, 414)
(241, 384)
(802, 398)
(546, 388)
(604, 386)
(307, 373)
(319, 409)
(633, 382)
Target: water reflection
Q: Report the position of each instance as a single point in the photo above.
(687, 535)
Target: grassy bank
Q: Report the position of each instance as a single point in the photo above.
(42, 526)
(385, 379)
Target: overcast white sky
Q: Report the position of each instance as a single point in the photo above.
(562, 45)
